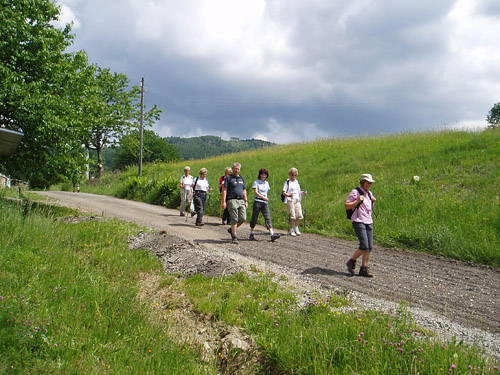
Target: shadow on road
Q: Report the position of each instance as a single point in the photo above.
(323, 271)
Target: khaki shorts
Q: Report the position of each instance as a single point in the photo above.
(294, 209)
(237, 211)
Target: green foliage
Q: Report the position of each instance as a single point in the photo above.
(111, 111)
(155, 149)
(453, 211)
(209, 145)
(68, 300)
(39, 93)
(493, 117)
(160, 191)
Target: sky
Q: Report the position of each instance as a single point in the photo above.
(290, 71)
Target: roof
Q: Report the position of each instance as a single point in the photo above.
(9, 139)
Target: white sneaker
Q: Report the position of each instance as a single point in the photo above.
(297, 232)
(292, 232)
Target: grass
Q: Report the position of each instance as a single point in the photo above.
(68, 300)
(68, 305)
(454, 211)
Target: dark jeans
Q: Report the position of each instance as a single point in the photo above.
(257, 208)
(365, 235)
(200, 205)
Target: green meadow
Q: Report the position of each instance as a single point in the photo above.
(69, 305)
(453, 211)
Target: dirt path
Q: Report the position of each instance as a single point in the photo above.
(459, 292)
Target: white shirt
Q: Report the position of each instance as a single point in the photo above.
(201, 184)
(292, 187)
(187, 181)
(262, 188)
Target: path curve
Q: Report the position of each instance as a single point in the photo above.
(460, 292)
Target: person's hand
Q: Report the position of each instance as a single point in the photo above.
(246, 204)
(304, 192)
(224, 205)
(361, 198)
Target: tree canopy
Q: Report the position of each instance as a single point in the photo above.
(155, 149)
(39, 92)
(493, 117)
(57, 99)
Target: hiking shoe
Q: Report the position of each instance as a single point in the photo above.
(199, 224)
(292, 233)
(297, 232)
(351, 265)
(275, 236)
(252, 237)
(234, 240)
(363, 271)
(193, 213)
(182, 214)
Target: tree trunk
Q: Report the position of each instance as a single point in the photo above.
(99, 161)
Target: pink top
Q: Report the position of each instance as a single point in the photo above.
(363, 213)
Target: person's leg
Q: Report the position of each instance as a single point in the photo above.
(198, 206)
(291, 214)
(183, 201)
(298, 217)
(359, 229)
(233, 215)
(256, 208)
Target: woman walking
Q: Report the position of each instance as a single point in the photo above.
(361, 201)
(261, 204)
(293, 197)
(186, 182)
(200, 188)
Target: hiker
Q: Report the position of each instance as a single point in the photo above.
(225, 214)
(234, 197)
(75, 179)
(200, 187)
(186, 182)
(361, 201)
(293, 197)
(261, 204)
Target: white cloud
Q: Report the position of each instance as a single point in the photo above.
(67, 16)
(279, 132)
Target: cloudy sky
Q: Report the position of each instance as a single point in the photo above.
(287, 71)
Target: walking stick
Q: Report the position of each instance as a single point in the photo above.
(304, 229)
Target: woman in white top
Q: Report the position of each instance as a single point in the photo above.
(186, 182)
(200, 187)
(261, 204)
(293, 197)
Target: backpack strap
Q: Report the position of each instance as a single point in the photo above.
(360, 193)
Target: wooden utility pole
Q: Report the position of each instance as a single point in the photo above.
(142, 127)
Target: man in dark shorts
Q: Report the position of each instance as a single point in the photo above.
(234, 197)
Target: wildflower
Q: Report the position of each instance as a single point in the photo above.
(495, 368)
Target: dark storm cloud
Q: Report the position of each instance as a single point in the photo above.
(288, 71)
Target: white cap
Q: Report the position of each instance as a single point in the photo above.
(366, 177)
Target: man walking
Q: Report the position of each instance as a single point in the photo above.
(234, 197)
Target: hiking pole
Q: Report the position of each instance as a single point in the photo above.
(305, 199)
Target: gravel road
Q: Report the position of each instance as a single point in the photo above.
(450, 297)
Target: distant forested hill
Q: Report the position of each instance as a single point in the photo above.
(210, 145)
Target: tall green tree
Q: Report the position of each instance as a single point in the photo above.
(155, 149)
(39, 91)
(493, 117)
(112, 110)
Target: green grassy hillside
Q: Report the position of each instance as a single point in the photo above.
(453, 211)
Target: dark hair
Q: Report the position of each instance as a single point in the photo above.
(263, 170)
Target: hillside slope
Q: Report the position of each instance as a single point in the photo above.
(453, 211)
